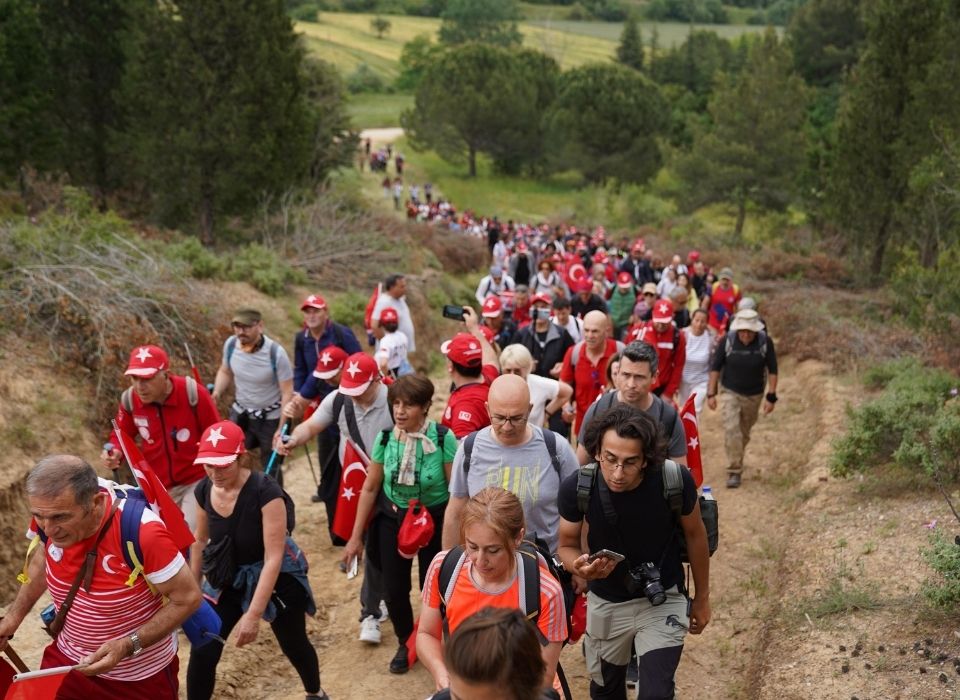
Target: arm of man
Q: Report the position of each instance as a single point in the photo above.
(207, 412)
(451, 522)
(222, 382)
(573, 557)
(677, 451)
(472, 323)
(564, 395)
(304, 432)
(183, 598)
(27, 596)
(699, 554)
(768, 406)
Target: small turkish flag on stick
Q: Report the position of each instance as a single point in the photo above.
(691, 427)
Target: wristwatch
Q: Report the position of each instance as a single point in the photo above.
(771, 397)
(135, 641)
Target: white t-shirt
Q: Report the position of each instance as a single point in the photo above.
(393, 349)
(543, 390)
(404, 320)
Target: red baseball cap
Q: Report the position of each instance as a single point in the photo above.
(314, 301)
(220, 444)
(540, 298)
(463, 349)
(492, 307)
(389, 315)
(693, 255)
(147, 360)
(584, 285)
(663, 311)
(359, 371)
(330, 362)
(624, 280)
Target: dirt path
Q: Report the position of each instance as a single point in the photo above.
(381, 136)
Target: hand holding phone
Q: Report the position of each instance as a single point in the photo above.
(453, 311)
(606, 554)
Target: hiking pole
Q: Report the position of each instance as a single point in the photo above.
(193, 367)
(273, 455)
(108, 448)
(15, 658)
(313, 472)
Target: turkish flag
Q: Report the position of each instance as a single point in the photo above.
(310, 410)
(37, 685)
(7, 672)
(691, 427)
(354, 473)
(412, 644)
(156, 494)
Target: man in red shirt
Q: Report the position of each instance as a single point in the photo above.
(122, 634)
(671, 346)
(472, 364)
(169, 413)
(724, 298)
(585, 364)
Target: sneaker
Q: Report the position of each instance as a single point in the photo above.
(400, 662)
(384, 613)
(315, 498)
(733, 481)
(633, 672)
(370, 630)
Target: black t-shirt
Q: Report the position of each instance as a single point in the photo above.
(744, 369)
(580, 308)
(257, 492)
(644, 531)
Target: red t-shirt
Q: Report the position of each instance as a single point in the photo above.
(588, 380)
(169, 434)
(112, 609)
(670, 359)
(466, 409)
(723, 302)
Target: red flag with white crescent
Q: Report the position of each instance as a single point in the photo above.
(37, 685)
(354, 473)
(692, 428)
(575, 273)
(157, 496)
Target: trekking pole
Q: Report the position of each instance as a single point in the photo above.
(108, 447)
(193, 367)
(273, 455)
(15, 658)
(313, 472)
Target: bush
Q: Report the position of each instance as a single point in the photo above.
(262, 268)
(911, 424)
(202, 263)
(365, 79)
(943, 556)
(307, 12)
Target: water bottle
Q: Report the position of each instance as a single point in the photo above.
(708, 494)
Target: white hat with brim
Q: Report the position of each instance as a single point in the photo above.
(747, 320)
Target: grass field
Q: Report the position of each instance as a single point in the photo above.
(372, 110)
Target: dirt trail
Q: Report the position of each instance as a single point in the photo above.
(778, 555)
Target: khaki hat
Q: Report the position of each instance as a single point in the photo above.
(726, 273)
(246, 317)
(747, 320)
(650, 288)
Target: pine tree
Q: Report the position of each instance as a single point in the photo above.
(630, 50)
(486, 21)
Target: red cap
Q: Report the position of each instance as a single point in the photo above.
(624, 280)
(463, 349)
(389, 315)
(220, 444)
(693, 255)
(584, 285)
(415, 531)
(359, 371)
(540, 298)
(314, 301)
(147, 360)
(492, 307)
(330, 362)
(601, 257)
(663, 311)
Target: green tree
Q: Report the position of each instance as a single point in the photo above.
(481, 99)
(606, 122)
(24, 103)
(900, 99)
(630, 50)
(415, 56)
(487, 21)
(755, 146)
(218, 111)
(380, 25)
(826, 37)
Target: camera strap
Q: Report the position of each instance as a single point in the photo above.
(610, 515)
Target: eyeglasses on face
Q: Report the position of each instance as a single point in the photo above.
(631, 464)
(512, 420)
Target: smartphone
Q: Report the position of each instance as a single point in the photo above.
(606, 554)
(453, 311)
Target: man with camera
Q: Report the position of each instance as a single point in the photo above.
(472, 365)
(634, 573)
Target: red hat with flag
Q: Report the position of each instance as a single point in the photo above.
(541, 298)
(463, 349)
(624, 280)
(220, 444)
(663, 311)
(314, 301)
(330, 362)
(492, 307)
(359, 371)
(389, 315)
(146, 361)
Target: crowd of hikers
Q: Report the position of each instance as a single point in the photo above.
(575, 381)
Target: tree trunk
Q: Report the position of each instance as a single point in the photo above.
(473, 161)
(206, 213)
(879, 251)
(741, 217)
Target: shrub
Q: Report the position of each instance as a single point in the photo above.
(365, 79)
(202, 263)
(262, 268)
(910, 423)
(348, 308)
(307, 12)
(943, 556)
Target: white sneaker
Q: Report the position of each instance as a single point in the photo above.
(370, 630)
(384, 614)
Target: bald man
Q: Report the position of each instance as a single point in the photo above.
(513, 454)
(585, 364)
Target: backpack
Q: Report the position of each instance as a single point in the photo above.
(672, 494)
(274, 351)
(442, 431)
(606, 400)
(258, 477)
(549, 437)
(728, 343)
(575, 355)
(529, 603)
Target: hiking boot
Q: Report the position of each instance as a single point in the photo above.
(370, 630)
(400, 662)
(733, 481)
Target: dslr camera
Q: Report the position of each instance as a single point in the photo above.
(645, 577)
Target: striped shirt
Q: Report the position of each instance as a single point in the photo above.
(469, 597)
(111, 609)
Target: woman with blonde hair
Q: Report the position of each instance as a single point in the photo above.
(485, 571)
(547, 396)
